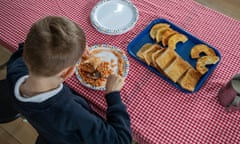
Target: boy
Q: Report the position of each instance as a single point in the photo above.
(50, 52)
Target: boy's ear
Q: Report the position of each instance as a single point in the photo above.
(67, 72)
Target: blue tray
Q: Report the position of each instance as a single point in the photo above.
(183, 49)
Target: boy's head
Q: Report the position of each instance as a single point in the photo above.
(53, 44)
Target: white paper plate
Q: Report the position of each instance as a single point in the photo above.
(105, 55)
(114, 17)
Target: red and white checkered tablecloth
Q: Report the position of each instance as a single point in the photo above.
(160, 113)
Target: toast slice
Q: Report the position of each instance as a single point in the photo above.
(166, 35)
(155, 55)
(160, 33)
(201, 48)
(90, 65)
(165, 59)
(148, 53)
(155, 28)
(176, 38)
(143, 49)
(190, 79)
(176, 69)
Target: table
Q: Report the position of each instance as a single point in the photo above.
(159, 112)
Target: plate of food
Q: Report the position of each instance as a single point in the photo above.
(92, 71)
(175, 55)
(114, 17)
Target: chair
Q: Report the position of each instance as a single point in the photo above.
(7, 111)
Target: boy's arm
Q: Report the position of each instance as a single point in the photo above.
(16, 54)
(118, 117)
(16, 66)
(116, 129)
(93, 129)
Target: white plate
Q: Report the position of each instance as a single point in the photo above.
(108, 56)
(114, 17)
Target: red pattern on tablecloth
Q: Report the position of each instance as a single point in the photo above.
(160, 113)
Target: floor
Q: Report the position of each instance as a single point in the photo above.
(230, 8)
(21, 132)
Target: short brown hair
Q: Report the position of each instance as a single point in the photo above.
(52, 44)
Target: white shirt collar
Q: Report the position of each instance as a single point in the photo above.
(37, 98)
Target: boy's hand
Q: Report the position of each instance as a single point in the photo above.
(86, 53)
(114, 83)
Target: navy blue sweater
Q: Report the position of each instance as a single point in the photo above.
(66, 118)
